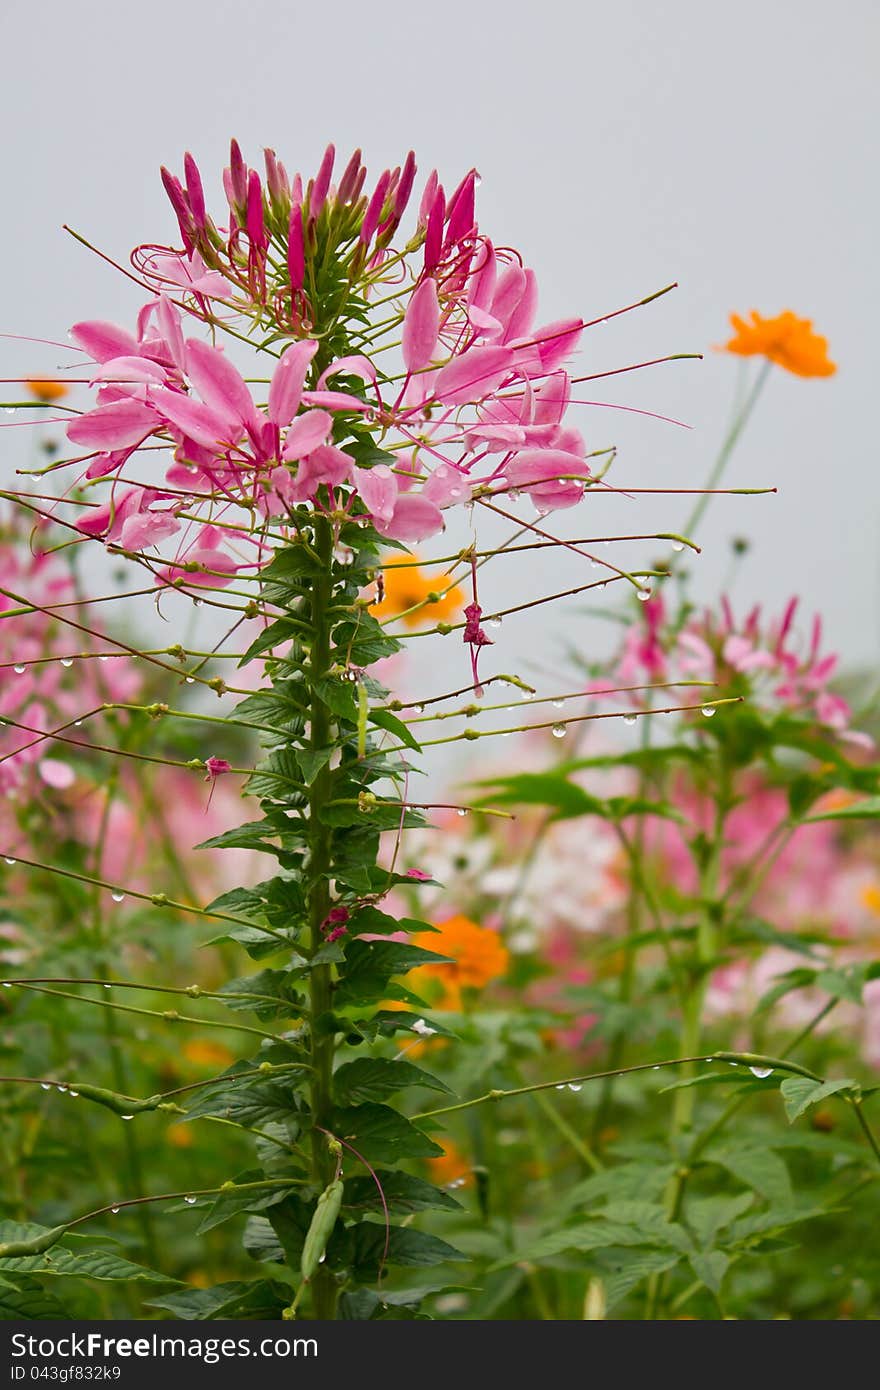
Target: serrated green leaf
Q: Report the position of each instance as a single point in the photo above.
(95, 1262)
(799, 1093)
(260, 1299)
(710, 1266)
(402, 1192)
(376, 1078)
(381, 1135)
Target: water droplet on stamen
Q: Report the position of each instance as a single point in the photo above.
(67, 661)
(643, 595)
(761, 1072)
(558, 731)
(197, 603)
(629, 719)
(117, 897)
(678, 546)
(462, 812)
(707, 711)
(10, 862)
(561, 1087)
(190, 1201)
(19, 670)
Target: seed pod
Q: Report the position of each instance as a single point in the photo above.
(35, 1246)
(321, 1228)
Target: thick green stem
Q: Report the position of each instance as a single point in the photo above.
(320, 858)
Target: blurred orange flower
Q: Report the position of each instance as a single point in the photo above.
(478, 956)
(407, 585)
(786, 340)
(871, 897)
(180, 1137)
(208, 1054)
(451, 1167)
(46, 390)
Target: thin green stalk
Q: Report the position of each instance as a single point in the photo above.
(320, 856)
(740, 420)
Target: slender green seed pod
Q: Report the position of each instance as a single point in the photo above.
(321, 1228)
(35, 1246)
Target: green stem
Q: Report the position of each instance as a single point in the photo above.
(320, 858)
(728, 445)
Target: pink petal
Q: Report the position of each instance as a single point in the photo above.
(421, 325)
(556, 341)
(306, 433)
(446, 486)
(414, 518)
(113, 426)
(336, 400)
(326, 464)
(523, 315)
(206, 426)
(472, 375)
(377, 489)
(288, 379)
(104, 340)
(219, 383)
(56, 774)
(532, 466)
(130, 369)
(147, 528)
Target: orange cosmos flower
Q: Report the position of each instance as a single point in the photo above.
(46, 390)
(786, 340)
(870, 896)
(208, 1054)
(451, 1167)
(406, 585)
(478, 957)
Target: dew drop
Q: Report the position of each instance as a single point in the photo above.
(643, 595)
(73, 1094)
(9, 410)
(190, 680)
(19, 670)
(419, 709)
(126, 1117)
(103, 658)
(117, 897)
(77, 723)
(629, 719)
(655, 1069)
(10, 861)
(761, 1072)
(495, 621)
(456, 1182)
(45, 1086)
(575, 1086)
(190, 1201)
(558, 731)
(462, 812)
(707, 711)
(678, 546)
(197, 603)
(106, 986)
(115, 1211)
(7, 984)
(561, 1088)
(62, 1090)
(67, 662)
(558, 704)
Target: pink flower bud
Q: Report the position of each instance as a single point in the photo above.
(321, 185)
(255, 224)
(434, 230)
(194, 191)
(404, 188)
(461, 210)
(174, 189)
(296, 253)
(238, 175)
(374, 209)
(346, 190)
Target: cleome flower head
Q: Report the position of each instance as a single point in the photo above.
(786, 340)
(391, 378)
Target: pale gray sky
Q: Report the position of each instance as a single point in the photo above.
(730, 147)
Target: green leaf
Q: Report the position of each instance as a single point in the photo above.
(384, 719)
(277, 634)
(27, 1299)
(369, 965)
(710, 1266)
(415, 1249)
(338, 696)
(277, 985)
(760, 1169)
(402, 1193)
(260, 1299)
(229, 1204)
(310, 762)
(709, 1215)
(799, 1093)
(565, 798)
(93, 1263)
(630, 1268)
(250, 1102)
(376, 1078)
(381, 1135)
